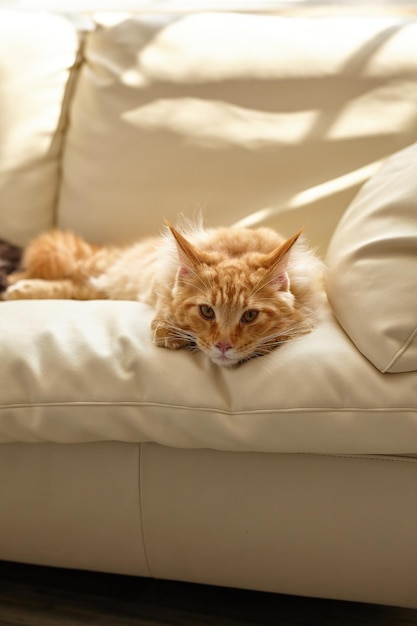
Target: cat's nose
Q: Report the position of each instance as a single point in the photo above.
(223, 346)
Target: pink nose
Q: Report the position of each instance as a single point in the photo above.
(223, 347)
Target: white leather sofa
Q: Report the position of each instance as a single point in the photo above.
(297, 472)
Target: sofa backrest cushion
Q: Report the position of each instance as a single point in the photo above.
(37, 52)
(258, 119)
(372, 266)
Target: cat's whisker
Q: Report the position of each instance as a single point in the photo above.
(261, 284)
(176, 332)
(274, 340)
(302, 327)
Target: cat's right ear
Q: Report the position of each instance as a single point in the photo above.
(187, 255)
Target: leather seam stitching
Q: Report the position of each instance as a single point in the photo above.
(142, 521)
(407, 343)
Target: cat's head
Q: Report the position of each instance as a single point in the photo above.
(235, 307)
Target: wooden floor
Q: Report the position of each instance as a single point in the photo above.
(36, 596)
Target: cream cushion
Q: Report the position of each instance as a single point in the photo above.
(372, 267)
(87, 371)
(37, 53)
(183, 115)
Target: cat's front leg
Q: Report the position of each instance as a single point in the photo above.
(167, 334)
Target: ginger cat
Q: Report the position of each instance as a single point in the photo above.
(232, 293)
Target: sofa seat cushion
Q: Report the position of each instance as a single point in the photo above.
(372, 261)
(88, 371)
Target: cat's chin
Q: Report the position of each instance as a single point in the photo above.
(225, 360)
(226, 363)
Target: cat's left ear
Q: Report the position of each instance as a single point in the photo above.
(187, 255)
(276, 263)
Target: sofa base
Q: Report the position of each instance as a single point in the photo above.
(311, 525)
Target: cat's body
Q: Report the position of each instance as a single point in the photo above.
(233, 293)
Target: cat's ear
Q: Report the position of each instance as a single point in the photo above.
(276, 264)
(187, 255)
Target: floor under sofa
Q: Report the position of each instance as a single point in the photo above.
(32, 595)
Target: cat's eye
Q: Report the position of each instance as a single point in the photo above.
(249, 316)
(207, 312)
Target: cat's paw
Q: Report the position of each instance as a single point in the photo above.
(165, 335)
(21, 290)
